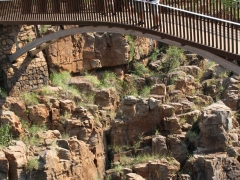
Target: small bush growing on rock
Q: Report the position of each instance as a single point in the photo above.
(128, 88)
(5, 136)
(109, 79)
(43, 29)
(131, 44)
(174, 58)
(31, 138)
(71, 92)
(140, 69)
(145, 91)
(45, 90)
(60, 79)
(87, 98)
(3, 93)
(93, 79)
(30, 98)
(154, 55)
(192, 136)
(32, 164)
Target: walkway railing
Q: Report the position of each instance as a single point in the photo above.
(212, 26)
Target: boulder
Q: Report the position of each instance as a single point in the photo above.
(81, 83)
(133, 176)
(67, 106)
(163, 169)
(190, 117)
(9, 117)
(159, 145)
(215, 122)
(159, 89)
(19, 108)
(192, 70)
(178, 148)
(172, 125)
(107, 99)
(38, 114)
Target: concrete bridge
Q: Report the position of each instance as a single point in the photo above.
(212, 31)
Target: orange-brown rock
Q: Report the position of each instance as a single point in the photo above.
(38, 114)
(19, 108)
(17, 159)
(138, 116)
(67, 106)
(9, 117)
(107, 99)
(4, 166)
(159, 89)
(94, 50)
(86, 128)
(158, 169)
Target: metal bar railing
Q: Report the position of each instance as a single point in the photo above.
(188, 21)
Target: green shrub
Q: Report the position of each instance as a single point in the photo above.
(32, 164)
(145, 91)
(3, 93)
(108, 79)
(128, 88)
(30, 98)
(5, 135)
(71, 92)
(87, 98)
(60, 79)
(31, 138)
(192, 136)
(140, 69)
(174, 58)
(154, 55)
(45, 91)
(130, 40)
(93, 79)
(43, 29)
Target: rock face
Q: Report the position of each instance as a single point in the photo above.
(71, 159)
(215, 122)
(94, 50)
(216, 167)
(138, 116)
(85, 128)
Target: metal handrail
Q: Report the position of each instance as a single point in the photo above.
(199, 15)
(188, 26)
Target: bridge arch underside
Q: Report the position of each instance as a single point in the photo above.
(212, 54)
